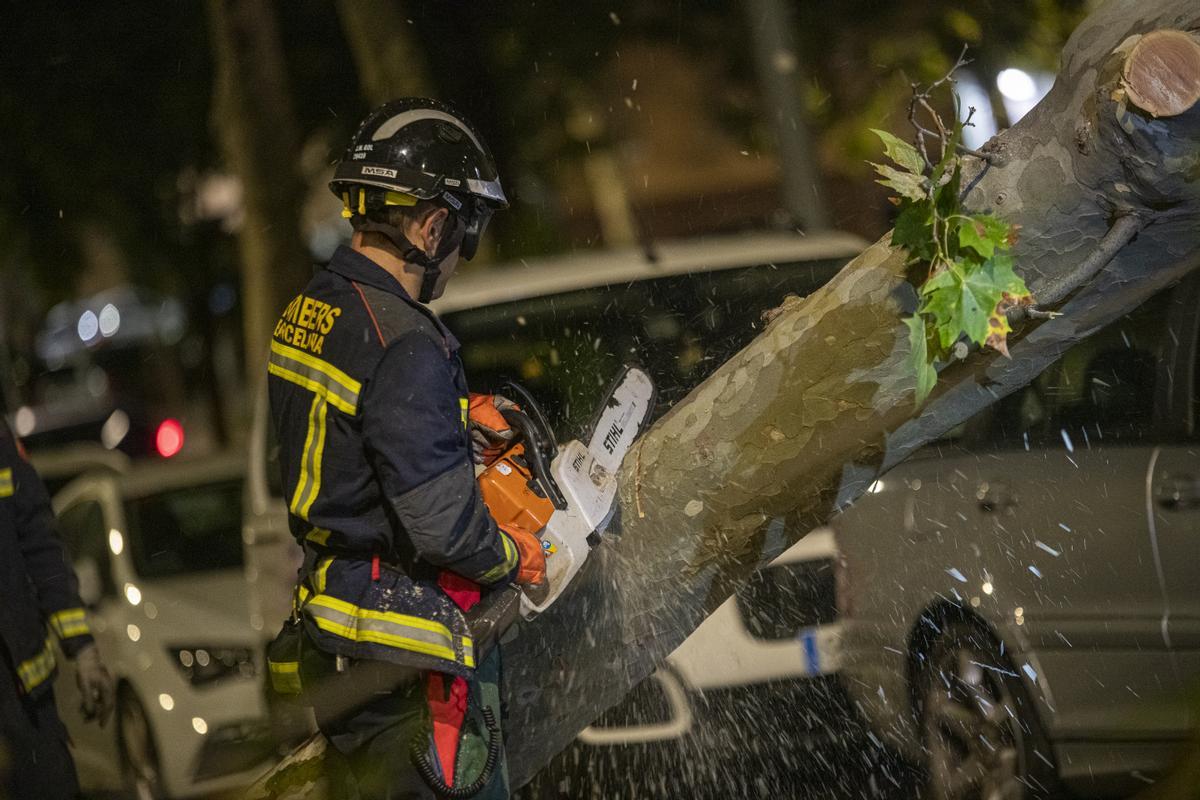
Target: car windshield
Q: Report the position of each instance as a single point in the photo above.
(566, 348)
(194, 529)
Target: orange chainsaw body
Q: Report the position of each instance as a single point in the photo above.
(507, 489)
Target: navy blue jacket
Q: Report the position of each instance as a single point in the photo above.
(369, 402)
(38, 589)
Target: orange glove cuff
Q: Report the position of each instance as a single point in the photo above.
(531, 559)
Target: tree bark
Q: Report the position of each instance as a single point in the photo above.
(821, 403)
(386, 55)
(259, 137)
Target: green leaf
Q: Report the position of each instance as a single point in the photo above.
(1000, 271)
(914, 229)
(919, 357)
(901, 152)
(941, 300)
(905, 183)
(984, 234)
(962, 299)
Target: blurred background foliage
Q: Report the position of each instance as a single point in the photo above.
(185, 146)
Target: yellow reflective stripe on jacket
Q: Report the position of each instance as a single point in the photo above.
(318, 535)
(32, 672)
(320, 572)
(308, 485)
(320, 377)
(69, 622)
(6, 482)
(465, 407)
(508, 565)
(387, 628)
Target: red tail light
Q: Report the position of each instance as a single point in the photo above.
(168, 440)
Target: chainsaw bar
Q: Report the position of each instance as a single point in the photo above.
(587, 474)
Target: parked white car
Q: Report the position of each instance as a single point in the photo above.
(158, 551)
(563, 326)
(1019, 601)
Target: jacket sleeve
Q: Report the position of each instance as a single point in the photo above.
(42, 549)
(414, 427)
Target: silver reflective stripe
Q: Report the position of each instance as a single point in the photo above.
(490, 189)
(335, 386)
(366, 626)
(387, 129)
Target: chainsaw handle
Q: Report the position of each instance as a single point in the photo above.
(528, 431)
(524, 399)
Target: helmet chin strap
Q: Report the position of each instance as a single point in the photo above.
(415, 255)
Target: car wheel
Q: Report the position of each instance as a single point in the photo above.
(982, 738)
(139, 755)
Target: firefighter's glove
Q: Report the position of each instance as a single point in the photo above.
(490, 432)
(531, 559)
(95, 685)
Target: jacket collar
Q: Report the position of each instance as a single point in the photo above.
(354, 266)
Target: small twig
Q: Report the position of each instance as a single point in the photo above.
(993, 159)
(1122, 231)
(920, 100)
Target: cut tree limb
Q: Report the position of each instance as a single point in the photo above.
(821, 403)
(1162, 73)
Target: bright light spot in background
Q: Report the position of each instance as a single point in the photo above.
(25, 421)
(169, 438)
(88, 326)
(200, 725)
(110, 320)
(1016, 84)
(116, 542)
(133, 632)
(876, 487)
(133, 594)
(166, 701)
(115, 429)
(987, 588)
(1021, 91)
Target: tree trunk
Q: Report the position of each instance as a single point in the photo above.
(822, 402)
(252, 114)
(386, 55)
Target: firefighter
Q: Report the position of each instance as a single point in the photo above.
(374, 423)
(39, 602)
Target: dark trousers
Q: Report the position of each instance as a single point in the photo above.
(35, 763)
(370, 757)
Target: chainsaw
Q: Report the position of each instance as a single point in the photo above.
(564, 495)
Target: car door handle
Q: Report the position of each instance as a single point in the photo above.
(1178, 492)
(994, 497)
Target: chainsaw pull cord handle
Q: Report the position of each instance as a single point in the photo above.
(538, 464)
(418, 751)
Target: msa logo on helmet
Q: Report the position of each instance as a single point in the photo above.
(382, 172)
(452, 200)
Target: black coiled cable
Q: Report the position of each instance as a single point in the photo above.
(420, 757)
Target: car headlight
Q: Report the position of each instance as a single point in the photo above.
(204, 665)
